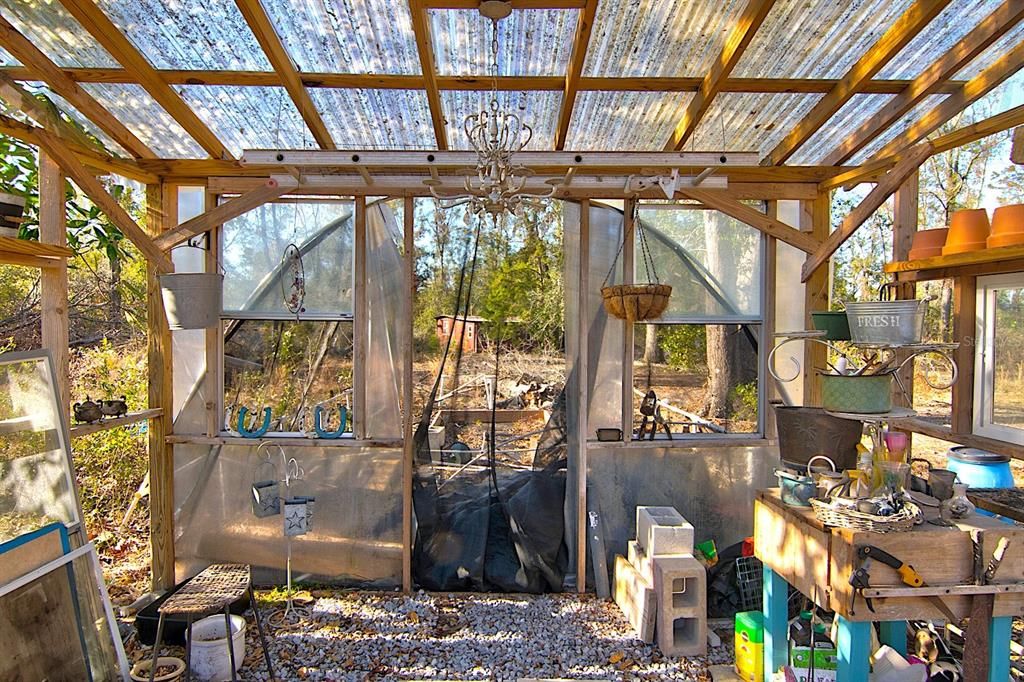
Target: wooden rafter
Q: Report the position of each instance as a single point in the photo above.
(972, 91)
(740, 36)
(745, 214)
(256, 16)
(516, 4)
(47, 117)
(40, 67)
(421, 32)
(584, 25)
(117, 44)
(989, 30)
(888, 46)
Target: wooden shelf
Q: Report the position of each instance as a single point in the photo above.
(289, 441)
(31, 253)
(107, 424)
(943, 432)
(959, 260)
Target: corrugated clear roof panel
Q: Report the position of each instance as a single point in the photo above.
(54, 31)
(816, 38)
(376, 119)
(537, 108)
(1009, 41)
(855, 112)
(188, 34)
(651, 38)
(133, 106)
(953, 23)
(249, 117)
(6, 59)
(750, 121)
(75, 116)
(625, 121)
(895, 129)
(347, 36)
(530, 42)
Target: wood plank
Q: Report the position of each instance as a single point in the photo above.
(888, 46)
(27, 247)
(770, 226)
(53, 297)
(793, 548)
(990, 29)
(815, 218)
(964, 333)
(284, 441)
(740, 36)
(214, 341)
(222, 213)
(408, 452)
(629, 207)
(98, 194)
(1003, 253)
(1011, 118)
(23, 260)
(263, 29)
(970, 92)
(584, 25)
(905, 206)
(361, 327)
(582, 396)
(42, 68)
(46, 116)
(127, 55)
(882, 191)
(107, 424)
(943, 432)
(421, 33)
(636, 597)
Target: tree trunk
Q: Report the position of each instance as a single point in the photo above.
(115, 313)
(719, 359)
(946, 311)
(651, 354)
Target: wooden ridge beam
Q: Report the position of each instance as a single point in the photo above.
(80, 175)
(888, 46)
(580, 42)
(875, 198)
(117, 44)
(40, 67)
(989, 30)
(421, 33)
(745, 214)
(272, 189)
(740, 36)
(972, 91)
(256, 16)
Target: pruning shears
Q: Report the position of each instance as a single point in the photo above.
(860, 578)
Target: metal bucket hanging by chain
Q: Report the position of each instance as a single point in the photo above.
(636, 302)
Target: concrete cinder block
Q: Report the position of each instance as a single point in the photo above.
(680, 585)
(663, 530)
(635, 596)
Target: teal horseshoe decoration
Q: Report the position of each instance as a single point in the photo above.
(257, 433)
(330, 435)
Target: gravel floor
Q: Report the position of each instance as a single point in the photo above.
(381, 636)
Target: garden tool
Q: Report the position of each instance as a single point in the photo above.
(977, 643)
(860, 579)
(650, 410)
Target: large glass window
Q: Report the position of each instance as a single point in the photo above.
(999, 358)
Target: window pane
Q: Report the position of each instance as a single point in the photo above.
(712, 262)
(1008, 360)
(254, 277)
(703, 376)
(290, 367)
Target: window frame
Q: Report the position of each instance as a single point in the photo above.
(982, 418)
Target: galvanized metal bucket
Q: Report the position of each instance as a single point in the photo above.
(192, 300)
(298, 515)
(886, 322)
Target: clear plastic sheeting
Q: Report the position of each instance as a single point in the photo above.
(538, 108)
(188, 34)
(133, 106)
(72, 113)
(816, 38)
(356, 538)
(376, 119)
(993, 53)
(253, 246)
(248, 117)
(347, 36)
(56, 33)
(829, 136)
(740, 121)
(6, 59)
(625, 121)
(896, 128)
(651, 38)
(536, 42)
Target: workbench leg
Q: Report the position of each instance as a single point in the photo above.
(776, 599)
(999, 631)
(894, 633)
(854, 645)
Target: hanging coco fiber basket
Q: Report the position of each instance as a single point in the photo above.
(636, 302)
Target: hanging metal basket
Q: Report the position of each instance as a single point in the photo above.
(636, 302)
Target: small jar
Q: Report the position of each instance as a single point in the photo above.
(958, 506)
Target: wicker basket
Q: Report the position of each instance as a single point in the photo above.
(635, 302)
(844, 517)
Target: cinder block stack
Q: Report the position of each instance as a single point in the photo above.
(662, 555)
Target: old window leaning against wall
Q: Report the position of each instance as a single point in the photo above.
(701, 359)
(273, 357)
(999, 358)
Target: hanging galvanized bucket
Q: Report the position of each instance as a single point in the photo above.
(296, 516)
(266, 500)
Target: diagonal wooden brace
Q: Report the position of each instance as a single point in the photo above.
(745, 214)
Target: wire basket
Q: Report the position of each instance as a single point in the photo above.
(750, 579)
(842, 516)
(633, 302)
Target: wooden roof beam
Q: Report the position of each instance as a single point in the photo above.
(117, 44)
(989, 30)
(580, 42)
(888, 46)
(256, 16)
(421, 32)
(740, 36)
(40, 67)
(745, 214)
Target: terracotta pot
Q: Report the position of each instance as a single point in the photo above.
(1007, 226)
(968, 230)
(928, 243)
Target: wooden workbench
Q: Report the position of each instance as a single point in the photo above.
(817, 560)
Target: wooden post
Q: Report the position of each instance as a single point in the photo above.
(904, 227)
(407, 423)
(361, 324)
(162, 214)
(214, 378)
(964, 312)
(628, 258)
(54, 281)
(815, 217)
(583, 382)
(768, 390)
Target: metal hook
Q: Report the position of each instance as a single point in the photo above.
(257, 433)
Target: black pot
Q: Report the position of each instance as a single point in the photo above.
(808, 431)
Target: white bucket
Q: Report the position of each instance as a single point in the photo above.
(192, 300)
(209, 656)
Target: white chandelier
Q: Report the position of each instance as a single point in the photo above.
(495, 185)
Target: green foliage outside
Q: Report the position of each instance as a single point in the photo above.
(685, 346)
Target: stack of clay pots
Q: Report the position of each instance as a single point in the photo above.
(969, 230)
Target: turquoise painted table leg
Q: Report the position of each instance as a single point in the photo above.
(894, 633)
(999, 631)
(776, 599)
(854, 645)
